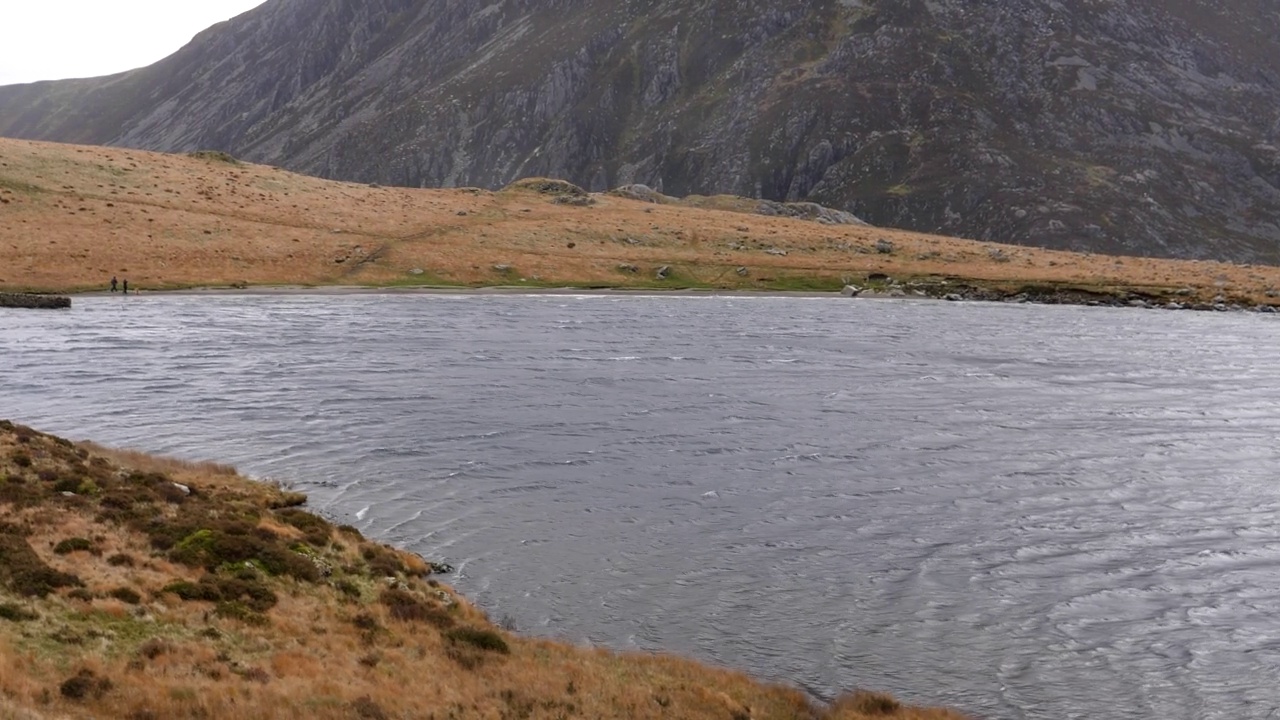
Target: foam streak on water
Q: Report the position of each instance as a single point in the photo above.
(1026, 512)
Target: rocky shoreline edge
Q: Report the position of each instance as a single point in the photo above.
(34, 301)
(965, 291)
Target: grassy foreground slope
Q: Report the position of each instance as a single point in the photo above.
(73, 216)
(140, 587)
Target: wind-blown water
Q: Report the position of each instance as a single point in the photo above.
(1021, 511)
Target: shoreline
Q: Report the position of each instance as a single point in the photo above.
(267, 290)
(955, 291)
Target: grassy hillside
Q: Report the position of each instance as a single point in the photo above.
(139, 587)
(71, 217)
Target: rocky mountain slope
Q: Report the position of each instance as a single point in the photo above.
(1127, 126)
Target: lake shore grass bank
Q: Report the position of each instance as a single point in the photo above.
(133, 586)
(73, 217)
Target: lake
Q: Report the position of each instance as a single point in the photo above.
(1020, 511)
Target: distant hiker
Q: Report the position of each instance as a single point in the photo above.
(113, 283)
(125, 287)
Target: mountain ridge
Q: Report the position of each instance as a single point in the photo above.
(1140, 127)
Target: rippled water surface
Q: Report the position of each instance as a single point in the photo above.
(1022, 511)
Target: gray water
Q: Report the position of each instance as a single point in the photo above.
(1020, 511)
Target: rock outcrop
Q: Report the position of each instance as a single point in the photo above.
(1132, 126)
(34, 301)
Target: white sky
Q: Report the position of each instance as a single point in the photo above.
(53, 39)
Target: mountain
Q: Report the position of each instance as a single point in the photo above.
(1141, 127)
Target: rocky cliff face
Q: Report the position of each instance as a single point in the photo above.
(1132, 126)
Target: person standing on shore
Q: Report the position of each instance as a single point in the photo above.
(125, 287)
(113, 283)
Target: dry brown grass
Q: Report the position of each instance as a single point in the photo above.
(330, 644)
(71, 217)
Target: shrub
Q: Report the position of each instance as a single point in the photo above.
(316, 530)
(348, 588)
(126, 595)
(154, 648)
(388, 562)
(237, 543)
(120, 560)
(84, 684)
(253, 595)
(20, 458)
(406, 606)
(23, 572)
(482, 639)
(365, 621)
(382, 561)
(17, 491)
(193, 591)
(236, 610)
(287, 499)
(867, 703)
(70, 545)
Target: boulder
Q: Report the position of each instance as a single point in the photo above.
(643, 193)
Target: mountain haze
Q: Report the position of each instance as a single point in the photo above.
(1126, 126)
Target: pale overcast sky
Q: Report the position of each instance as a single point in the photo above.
(52, 39)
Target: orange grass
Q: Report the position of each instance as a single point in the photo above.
(71, 217)
(328, 647)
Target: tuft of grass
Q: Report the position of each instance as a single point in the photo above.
(20, 186)
(548, 186)
(481, 638)
(348, 588)
(866, 703)
(365, 708)
(154, 648)
(411, 607)
(126, 595)
(16, 613)
(85, 684)
(75, 544)
(288, 499)
(316, 530)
